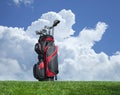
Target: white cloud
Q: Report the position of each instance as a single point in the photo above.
(77, 59)
(9, 67)
(16, 49)
(26, 2)
(90, 36)
(62, 31)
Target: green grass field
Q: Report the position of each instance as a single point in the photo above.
(59, 88)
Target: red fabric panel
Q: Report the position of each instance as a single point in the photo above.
(41, 65)
(49, 39)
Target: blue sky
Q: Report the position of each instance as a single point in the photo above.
(87, 14)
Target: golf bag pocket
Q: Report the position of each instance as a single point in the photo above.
(38, 48)
(39, 70)
(51, 61)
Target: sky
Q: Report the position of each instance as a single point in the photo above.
(88, 34)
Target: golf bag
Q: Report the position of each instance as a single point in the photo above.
(47, 66)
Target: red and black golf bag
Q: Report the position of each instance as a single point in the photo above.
(47, 66)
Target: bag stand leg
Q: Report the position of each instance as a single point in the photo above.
(56, 77)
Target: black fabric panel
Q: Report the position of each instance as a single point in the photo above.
(38, 73)
(43, 44)
(40, 57)
(37, 48)
(41, 73)
(53, 65)
(50, 50)
(34, 71)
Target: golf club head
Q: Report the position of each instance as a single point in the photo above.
(37, 32)
(55, 23)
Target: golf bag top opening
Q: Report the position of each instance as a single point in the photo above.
(46, 38)
(47, 66)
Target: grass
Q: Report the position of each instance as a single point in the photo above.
(59, 88)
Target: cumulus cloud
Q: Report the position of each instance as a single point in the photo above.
(77, 58)
(16, 53)
(26, 2)
(63, 30)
